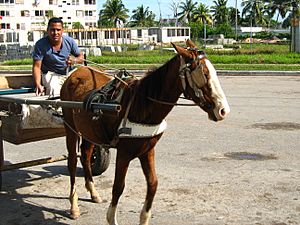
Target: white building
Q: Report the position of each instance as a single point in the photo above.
(20, 18)
(136, 35)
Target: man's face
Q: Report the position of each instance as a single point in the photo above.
(55, 31)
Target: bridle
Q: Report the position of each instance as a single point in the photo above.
(195, 79)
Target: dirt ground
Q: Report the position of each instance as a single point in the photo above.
(242, 171)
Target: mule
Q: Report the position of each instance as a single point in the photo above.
(145, 101)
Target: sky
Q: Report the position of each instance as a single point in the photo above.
(163, 6)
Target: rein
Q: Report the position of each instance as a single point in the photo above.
(188, 77)
(171, 103)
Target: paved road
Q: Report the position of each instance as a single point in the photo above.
(242, 171)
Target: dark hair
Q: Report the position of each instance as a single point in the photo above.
(54, 20)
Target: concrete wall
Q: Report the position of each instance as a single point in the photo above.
(14, 51)
(295, 44)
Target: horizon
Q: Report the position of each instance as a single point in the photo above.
(157, 6)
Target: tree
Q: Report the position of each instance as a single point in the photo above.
(278, 6)
(142, 17)
(77, 25)
(174, 7)
(231, 16)
(220, 11)
(253, 10)
(202, 15)
(187, 9)
(112, 12)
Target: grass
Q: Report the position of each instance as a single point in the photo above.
(248, 57)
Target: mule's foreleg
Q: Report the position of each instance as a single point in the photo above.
(86, 154)
(148, 165)
(118, 188)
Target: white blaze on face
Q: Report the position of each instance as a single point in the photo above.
(221, 109)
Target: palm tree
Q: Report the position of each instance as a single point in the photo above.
(187, 9)
(220, 11)
(281, 7)
(112, 12)
(142, 17)
(253, 9)
(233, 16)
(202, 14)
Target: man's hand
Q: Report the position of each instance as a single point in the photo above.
(70, 60)
(39, 90)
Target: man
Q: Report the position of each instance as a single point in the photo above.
(52, 57)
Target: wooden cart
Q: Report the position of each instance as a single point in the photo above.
(13, 131)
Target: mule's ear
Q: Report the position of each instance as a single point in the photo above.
(190, 44)
(180, 50)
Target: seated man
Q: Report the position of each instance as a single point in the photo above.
(52, 57)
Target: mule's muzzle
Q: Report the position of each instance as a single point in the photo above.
(220, 113)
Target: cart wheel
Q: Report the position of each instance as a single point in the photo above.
(100, 160)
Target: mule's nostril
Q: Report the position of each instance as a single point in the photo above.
(223, 112)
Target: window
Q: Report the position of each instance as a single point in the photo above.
(1, 38)
(25, 13)
(30, 36)
(88, 13)
(106, 34)
(4, 13)
(171, 32)
(90, 2)
(75, 2)
(112, 34)
(139, 33)
(39, 13)
(187, 32)
(7, 1)
(53, 2)
(5, 25)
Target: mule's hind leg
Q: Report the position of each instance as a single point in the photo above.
(71, 139)
(118, 187)
(86, 154)
(148, 165)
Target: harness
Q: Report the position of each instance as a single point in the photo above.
(111, 93)
(195, 79)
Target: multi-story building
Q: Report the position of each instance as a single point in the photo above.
(19, 19)
(23, 22)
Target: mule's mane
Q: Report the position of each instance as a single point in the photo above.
(153, 84)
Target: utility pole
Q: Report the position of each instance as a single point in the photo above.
(236, 18)
(158, 2)
(295, 29)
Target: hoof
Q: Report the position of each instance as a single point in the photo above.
(96, 199)
(74, 214)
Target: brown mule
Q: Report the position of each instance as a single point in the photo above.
(151, 98)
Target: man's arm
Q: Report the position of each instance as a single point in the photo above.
(75, 60)
(37, 77)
